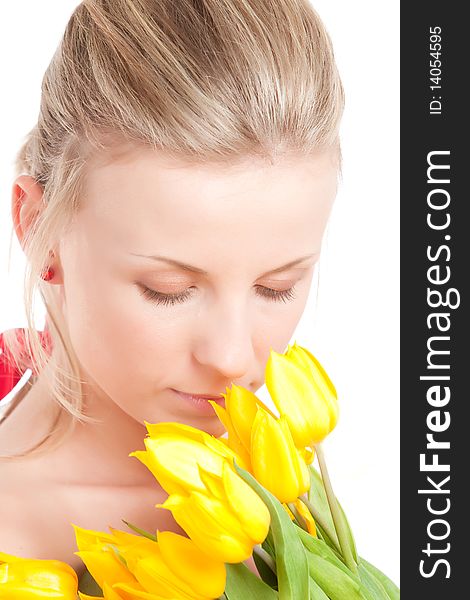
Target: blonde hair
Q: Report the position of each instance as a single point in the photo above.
(207, 81)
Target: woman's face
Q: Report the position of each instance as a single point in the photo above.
(181, 278)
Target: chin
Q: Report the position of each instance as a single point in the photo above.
(211, 426)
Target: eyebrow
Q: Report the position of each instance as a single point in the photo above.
(192, 269)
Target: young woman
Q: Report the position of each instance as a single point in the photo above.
(171, 201)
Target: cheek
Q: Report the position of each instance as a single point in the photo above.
(123, 343)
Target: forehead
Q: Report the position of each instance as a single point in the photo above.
(143, 196)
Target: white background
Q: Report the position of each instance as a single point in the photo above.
(352, 323)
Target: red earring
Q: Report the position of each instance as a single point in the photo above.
(48, 275)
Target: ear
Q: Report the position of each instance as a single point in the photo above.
(26, 205)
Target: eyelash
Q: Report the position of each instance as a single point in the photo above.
(171, 299)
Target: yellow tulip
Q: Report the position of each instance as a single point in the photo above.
(240, 410)
(303, 392)
(128, 566)
(174, 453)
(177, 567)
(226, 520)
(277, 464)
(320, 376)
(28, 579)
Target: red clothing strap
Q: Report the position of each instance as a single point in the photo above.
(9, 374)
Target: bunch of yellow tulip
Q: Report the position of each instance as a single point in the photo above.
(234, 496)
(255, 492)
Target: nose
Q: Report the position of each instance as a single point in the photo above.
(225, 341)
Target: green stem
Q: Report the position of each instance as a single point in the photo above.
(267, 558)
(330, 533)
(335, 512)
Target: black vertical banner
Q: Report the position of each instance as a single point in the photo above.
(435, 269)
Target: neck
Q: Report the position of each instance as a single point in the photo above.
(92, 453)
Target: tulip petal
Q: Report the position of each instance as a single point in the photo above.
(297, 457)
(127, 592)
(87, 539)
(307, 516)
(247, 505)
(176, 429)
(308, 454)
(273, 445)
(124, 538)
(105, 566)
(155, 577)
(211, 526)
(10, 558)
(323, 375)
(234, 442)
(133, 550)
(217, 446)
(289, 512)
(242, 406)
(222, 415)
(176, 460)
(320, 376)
(153, 465)
(83, 596)
(204, 573)
(110, 594)
(296, 396)
(213, 484)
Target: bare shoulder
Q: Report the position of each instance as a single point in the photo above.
(37, 515)
(32, 522)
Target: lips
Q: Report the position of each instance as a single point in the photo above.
(201, 401)
(204, 396)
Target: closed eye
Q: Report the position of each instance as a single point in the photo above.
(172, 299)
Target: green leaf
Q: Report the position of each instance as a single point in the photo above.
(322, 535)
(352, 543)
(320, 548)
(391, 589)
(140, 531)
(328, 571)
(316, 593)
(371, 587)
(336, 584)
(317, 496)
(242, 584)
(290, 555)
